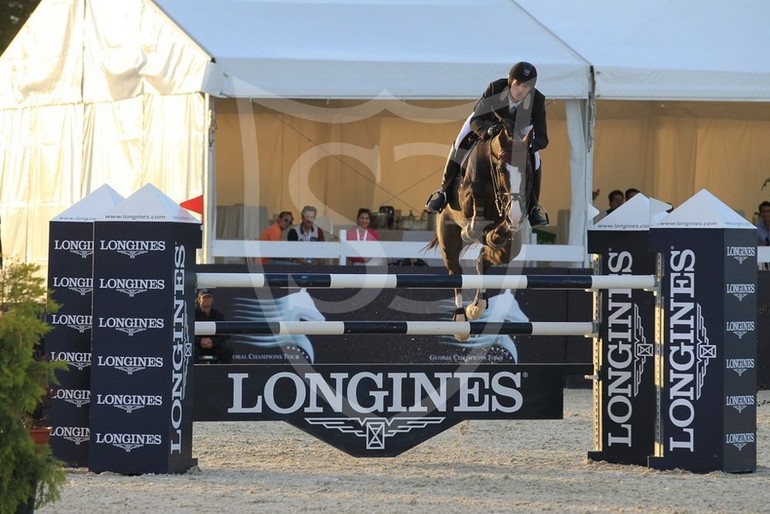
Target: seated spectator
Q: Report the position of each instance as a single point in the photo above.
(362, 232)
(763, 225)
(210, 348)
(616, 198)
(630, 192)
(307, 230)
(275, 231)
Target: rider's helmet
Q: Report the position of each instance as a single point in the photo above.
(523, 72)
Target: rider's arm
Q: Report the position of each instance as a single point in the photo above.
(484, 112)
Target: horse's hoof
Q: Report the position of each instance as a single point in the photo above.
(474, 311)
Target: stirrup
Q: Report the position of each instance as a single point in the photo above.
(436, 201)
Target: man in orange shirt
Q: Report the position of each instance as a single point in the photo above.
(274, 231)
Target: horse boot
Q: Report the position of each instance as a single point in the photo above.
(438, 199)
(537, 215)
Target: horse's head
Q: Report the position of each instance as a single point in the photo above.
(510, 158)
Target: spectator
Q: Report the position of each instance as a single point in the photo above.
(362, 232)
(630, 192)
(763, 225)
(210, 348)
(307, 230)
(275, 231)
(616, 199)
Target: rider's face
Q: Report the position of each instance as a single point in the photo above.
(519, 90)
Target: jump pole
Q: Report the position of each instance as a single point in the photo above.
(424, 281)
(431, 328)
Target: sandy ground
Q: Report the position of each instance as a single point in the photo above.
(478, 466)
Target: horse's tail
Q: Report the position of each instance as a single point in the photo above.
(433, 243)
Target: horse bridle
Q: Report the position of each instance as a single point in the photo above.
(503, 198)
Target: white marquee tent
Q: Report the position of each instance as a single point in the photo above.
(355, 102)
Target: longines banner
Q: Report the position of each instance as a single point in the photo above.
(377, 410)
(707, 367)
(69, 278)
(295, 304)
(625, 432)
(143, 330)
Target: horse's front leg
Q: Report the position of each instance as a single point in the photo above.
(459, 313)
(476, 308)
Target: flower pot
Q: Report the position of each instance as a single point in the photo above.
(41, 435)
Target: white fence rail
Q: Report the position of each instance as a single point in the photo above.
(339, 251)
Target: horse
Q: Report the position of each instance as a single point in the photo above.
(496, 177)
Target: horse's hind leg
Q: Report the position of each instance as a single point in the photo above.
(451, 245)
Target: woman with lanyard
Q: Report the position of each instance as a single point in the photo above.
(362, 232)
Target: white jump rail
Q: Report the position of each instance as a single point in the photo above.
(425, 281)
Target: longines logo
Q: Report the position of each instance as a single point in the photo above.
(739, 365)
(76, 435)
(739, 328)
(132, 248)
(129, 402)
(82, 285)
(375, 430)
(79, 322)
(81, 248)
(132, 286)
(740, 291)
(627, 353)
(181, 354)
(131, 326)
(739, 402)
(128, 442)
(80, 360)
(77, 397)
(129, 365)
(394, 402)
(740, 440)
(741, 253)
(689, 350)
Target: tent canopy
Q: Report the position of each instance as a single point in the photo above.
(408, 49)
(666, 49)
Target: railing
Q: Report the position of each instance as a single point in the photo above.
(340, 251)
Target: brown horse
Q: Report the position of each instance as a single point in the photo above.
(495, 178)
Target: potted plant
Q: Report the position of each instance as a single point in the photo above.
(29, 474)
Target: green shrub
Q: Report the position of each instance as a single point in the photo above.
(24, 383)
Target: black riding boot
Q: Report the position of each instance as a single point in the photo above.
(438, 199)
(537, 215)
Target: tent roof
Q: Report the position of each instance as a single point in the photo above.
(410, 49)
(666, 49)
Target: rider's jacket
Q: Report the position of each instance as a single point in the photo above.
(494, 105)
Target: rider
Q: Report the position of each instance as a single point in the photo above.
(500, 101)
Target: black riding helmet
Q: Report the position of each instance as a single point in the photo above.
(524, 72)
